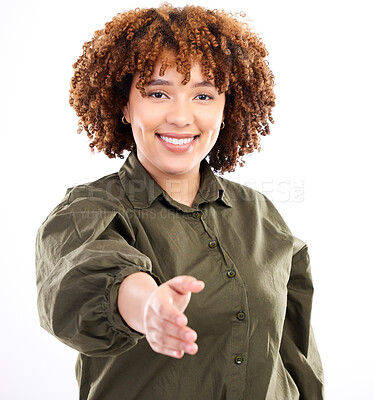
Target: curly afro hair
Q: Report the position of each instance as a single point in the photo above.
(229, 52)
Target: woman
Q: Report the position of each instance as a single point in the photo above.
(185, 90)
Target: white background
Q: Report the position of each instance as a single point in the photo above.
(316, 167)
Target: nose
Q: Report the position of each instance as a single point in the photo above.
(180, 113)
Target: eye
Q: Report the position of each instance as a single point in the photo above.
(156, 95)
(204, 97)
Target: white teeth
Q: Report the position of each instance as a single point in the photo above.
(178, 142)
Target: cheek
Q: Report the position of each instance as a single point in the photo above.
(147, 118)
(210, 124)
(210, 119)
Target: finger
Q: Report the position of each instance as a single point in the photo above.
(168, 352)
(164, 310)
(182, 333)
(184, 284)
(164, 341)
(174, 353)
(197, 286)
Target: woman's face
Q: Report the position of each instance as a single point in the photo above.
(174, 125)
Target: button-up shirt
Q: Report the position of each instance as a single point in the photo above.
(252, 319)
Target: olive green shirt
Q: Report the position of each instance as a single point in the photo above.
(252, 319)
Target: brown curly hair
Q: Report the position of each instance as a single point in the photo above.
(229, 52)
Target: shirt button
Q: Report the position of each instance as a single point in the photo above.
(196, 214)
(231, 273)
(240, 315)
(212, 244)
(238, 360)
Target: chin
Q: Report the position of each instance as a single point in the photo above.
(176, 169)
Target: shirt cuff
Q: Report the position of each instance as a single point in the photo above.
(114, 317)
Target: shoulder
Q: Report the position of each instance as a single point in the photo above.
(248, 198)
(248, 201)
(98, 199)
(106, 192)
(236, 190)
(89, 207)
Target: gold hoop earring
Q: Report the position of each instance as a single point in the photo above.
(222, 125)
(124, 121)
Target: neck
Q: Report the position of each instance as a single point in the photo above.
(181, 188)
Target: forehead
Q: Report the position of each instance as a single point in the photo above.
(170, 75)
(165, 69)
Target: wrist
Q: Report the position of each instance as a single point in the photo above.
(133, 295)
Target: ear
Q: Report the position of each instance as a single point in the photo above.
(125, 111)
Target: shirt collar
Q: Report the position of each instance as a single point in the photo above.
(141, 189)
(210, 187)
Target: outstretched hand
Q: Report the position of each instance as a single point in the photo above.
(165, 324)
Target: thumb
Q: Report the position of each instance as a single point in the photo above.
(185, 284)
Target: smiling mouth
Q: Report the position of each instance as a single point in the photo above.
(175, 141)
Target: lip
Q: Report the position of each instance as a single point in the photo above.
(177, 135)
(180, 148)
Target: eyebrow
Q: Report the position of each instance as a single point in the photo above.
(163, 82)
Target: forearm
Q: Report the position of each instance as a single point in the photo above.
(133, 294)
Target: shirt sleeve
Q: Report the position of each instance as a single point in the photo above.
(84, 249)
(298, 347)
